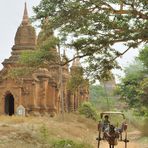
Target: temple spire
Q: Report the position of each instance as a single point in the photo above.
(25, 20)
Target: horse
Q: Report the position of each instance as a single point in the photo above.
(111, 136)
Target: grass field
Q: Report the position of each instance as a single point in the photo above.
(73, 131)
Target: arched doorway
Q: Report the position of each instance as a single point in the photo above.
(9, 104)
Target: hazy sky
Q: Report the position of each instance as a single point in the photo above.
(11, 13)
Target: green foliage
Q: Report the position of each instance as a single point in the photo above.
(30, 61)
(138, 121)
(69, 143)
(143, 92)
(130, 84)
(101, 99)
(20, 72)
(144, 127)
(134, 119)
(44, 133)
(76, 80)
(135, 69)
(89, 111)
(93, 27)
(143, 56)
(96, 92)
(36, 58)
(129, 90)
(134, 87)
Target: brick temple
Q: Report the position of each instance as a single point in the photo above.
(40, 92)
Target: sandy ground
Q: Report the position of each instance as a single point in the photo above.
(121, 145)
(133, 136)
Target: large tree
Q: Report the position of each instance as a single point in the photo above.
(129, 87)
(134, 86)
(92, 27)
(143, 87)
(143, 57)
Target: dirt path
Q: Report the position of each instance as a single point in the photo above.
(133, 136)
(121, 145)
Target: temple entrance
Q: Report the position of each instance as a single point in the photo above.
(9, 104)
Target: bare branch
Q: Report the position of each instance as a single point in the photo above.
(121, 54)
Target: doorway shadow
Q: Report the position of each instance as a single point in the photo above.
(9, 104)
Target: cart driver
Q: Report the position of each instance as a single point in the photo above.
(106, 123)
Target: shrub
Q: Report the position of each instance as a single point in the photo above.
(144, 128)
(44, 133)
(89, 111)
(137, 121)
(69, 144)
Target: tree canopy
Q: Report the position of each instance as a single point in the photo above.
(92, 27)
(143, 57)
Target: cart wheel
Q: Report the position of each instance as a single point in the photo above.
(126, 140)
(99, 139)
(98, 143)
(111, 146)
(120, 136)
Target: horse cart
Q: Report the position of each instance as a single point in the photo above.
(112, 128)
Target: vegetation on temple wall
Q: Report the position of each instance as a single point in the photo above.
(17, 72)
(45, 52)
(31, 61)
(37, 58)
(93, 27)
(44, 55)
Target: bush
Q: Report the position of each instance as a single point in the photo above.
(144, 128)
(69, 144)
(88, 110)
(44, 133)
(137, 121)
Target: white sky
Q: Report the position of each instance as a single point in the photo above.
(11, 13)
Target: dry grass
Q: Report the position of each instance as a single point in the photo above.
(12, 119)
(40, 132)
